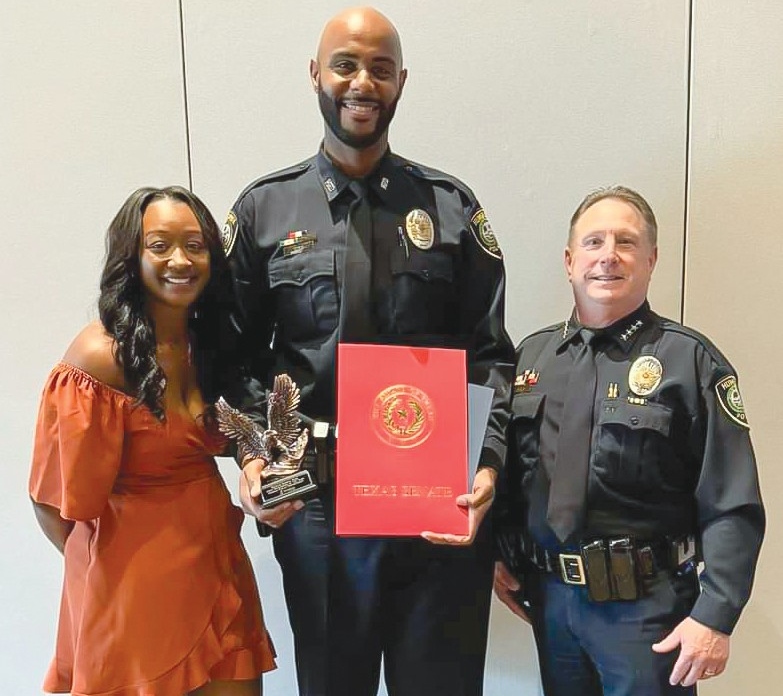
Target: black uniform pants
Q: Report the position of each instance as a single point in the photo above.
(424, 608)
(605, 649)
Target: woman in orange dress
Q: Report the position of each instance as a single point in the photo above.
(159, 597)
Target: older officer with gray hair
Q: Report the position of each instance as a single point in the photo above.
(629, 464)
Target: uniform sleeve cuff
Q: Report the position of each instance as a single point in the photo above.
(490, 460)
(715, 614)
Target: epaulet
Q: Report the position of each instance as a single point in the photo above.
(547, 330)
(430, 174)
(701, 339)
(281, 175)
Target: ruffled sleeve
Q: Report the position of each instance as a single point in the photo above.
(78, 443)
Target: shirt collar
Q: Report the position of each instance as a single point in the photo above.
(333, 180)
(382, 179)
(623, 332)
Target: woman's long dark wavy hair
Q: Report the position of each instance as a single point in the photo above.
(121, 304)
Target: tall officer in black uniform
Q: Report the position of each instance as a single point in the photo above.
(629, 462)
(436, 279)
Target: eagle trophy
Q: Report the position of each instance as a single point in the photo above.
(282, 445)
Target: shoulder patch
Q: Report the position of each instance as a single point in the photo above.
(730, 400)
(228, 235)
(484, 235)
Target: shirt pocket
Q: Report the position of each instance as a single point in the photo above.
(305, 291)
(423, 291)
(633, 451)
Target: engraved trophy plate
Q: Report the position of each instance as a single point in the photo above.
(282, 445)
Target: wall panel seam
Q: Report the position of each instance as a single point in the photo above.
(688, 160)
(185, 102)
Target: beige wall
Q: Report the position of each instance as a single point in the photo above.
(733, 270)
(530, 102)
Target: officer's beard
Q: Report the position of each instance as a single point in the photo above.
(330, 110)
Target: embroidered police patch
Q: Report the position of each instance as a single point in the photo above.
(228, 235)
(730, 400)
(484, 235)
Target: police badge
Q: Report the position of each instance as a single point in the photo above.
(421, 231)
(645, 375)
(282, 445)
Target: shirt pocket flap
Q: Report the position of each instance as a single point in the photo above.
(431, 265)
(650, 416)
(301, 268)
(526, 405)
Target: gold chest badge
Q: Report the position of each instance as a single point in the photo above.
(421, 231)
(645, 375)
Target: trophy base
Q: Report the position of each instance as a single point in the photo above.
(298, 486)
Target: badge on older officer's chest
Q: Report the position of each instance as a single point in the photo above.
(645, 375)
(419, 227)
(730, 400)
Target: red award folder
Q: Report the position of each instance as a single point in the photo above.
(402, 440)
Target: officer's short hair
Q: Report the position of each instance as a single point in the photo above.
(622, 193)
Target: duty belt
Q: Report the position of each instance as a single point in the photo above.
(614, 568)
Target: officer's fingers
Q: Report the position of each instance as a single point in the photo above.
(450, 539)
(669, 643)
(478, 498)
(681, 668)
(280, 514)
(505, 596)
(504, 577)
(693, 675)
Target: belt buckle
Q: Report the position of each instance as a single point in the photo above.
(572, 569)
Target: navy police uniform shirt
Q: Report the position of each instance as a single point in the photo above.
(670, 450)
(437, 278)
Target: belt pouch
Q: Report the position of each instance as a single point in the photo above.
(320, 433)
(623, 569)
(599, 588)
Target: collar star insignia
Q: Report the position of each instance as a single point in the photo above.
(631, 330)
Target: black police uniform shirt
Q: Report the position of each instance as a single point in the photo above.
(670, 449)
(285, 241)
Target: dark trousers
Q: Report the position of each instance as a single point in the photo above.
(424, 608)
(605, 649)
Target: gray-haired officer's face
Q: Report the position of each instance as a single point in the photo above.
(609, 262)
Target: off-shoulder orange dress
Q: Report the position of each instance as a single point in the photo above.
(158, 595)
